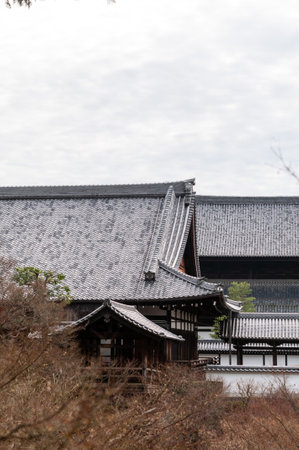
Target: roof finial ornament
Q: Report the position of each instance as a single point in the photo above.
(149, 276)
(188, 191)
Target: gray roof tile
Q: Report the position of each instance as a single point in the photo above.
(264, 327)
(218, 346)
(248, 226)
(252, 369)
(103, 241)
(171, 283)
(173, 225)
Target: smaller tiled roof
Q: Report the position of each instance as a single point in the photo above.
(130, 315)
(252, 369)
(257, 327)
(212, 346)
(217, 346)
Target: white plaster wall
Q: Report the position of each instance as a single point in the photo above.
(236, 383)
(204, 334)
(293, 360)
(252, 360)
(224, 360)
(257, 360)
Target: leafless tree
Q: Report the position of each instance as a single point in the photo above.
(285, 166)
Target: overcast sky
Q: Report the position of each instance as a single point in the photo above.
(150, 90)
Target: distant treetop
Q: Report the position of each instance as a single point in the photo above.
(9, 3)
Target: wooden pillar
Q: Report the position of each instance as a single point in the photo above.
(167, 351)
(230, 338)
(162, 354)
(195, 346)
(240, 355)
(274, 355)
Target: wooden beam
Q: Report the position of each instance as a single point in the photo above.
(240, 355)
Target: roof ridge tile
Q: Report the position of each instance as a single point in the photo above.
(151, 266)
(200, 282)
(91, 191)
(246, 200)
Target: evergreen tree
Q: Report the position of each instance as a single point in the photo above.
(242, 292)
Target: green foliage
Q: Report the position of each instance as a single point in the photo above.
(52, 282)
(241, 291)
(217, 326)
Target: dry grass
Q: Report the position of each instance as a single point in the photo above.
(49, 400)
(55, 403)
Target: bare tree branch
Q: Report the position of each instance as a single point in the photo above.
(285, 166)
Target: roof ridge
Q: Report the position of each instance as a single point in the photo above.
(247, 199)
(251, 369)
(124, 305)
(259, 280)
(94, 191)
(151, 266)
(158, 330)
(200, 282)
(164, 228)
(266, 315)
(190, 207)
(191, 180)
(88, 316)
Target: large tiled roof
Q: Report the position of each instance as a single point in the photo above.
(130, 315)
(109, 241)
(248, 226)
(256, 327)
(284, 305)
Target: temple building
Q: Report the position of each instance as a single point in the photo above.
(148, 266)
(129, 254)
(253, 239)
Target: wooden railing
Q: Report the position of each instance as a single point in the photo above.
(135, 378)
(197, 364)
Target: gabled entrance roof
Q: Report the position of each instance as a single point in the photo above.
(128, 315)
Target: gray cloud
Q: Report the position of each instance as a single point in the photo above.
(91, 93)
